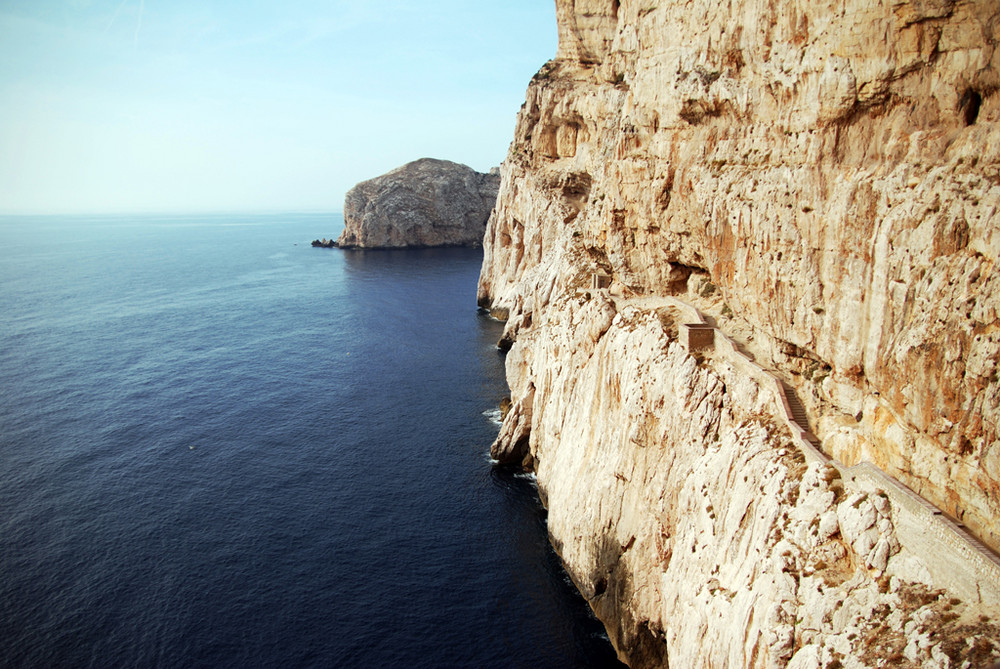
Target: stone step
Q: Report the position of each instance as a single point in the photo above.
(798, 412)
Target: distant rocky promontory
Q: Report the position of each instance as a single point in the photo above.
(427, 202)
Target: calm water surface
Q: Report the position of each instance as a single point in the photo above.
(220, 447)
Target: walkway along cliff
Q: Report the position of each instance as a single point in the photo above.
(819, 486)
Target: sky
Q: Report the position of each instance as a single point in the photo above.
(133, 106)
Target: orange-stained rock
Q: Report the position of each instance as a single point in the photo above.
(824, 179)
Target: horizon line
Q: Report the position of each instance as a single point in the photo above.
(173, 212)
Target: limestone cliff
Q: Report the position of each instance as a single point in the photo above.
(823, 181)
(424, 203)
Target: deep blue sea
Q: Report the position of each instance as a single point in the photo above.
(221, 447)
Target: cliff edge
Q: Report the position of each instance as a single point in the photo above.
(424, 203)
(821, 182)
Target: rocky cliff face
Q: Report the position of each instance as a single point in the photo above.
(424, 203)
(823, 180)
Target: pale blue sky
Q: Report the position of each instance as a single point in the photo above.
(256, 105)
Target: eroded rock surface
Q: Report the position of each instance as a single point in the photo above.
(427, 202)
(694, 527)
(824, 180)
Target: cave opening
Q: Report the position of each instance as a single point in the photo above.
(970, 103)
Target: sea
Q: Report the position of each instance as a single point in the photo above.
(222, 447)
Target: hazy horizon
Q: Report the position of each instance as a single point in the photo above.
(145, 107)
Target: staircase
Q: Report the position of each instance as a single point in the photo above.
(799, 413)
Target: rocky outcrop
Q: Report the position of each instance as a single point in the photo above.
(324, 243)
(823, 180)
(424, 203)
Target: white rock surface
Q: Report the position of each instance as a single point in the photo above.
(823, 178)
(684, 513)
